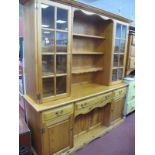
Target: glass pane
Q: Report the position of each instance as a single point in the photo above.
(62, 19)
(123, 32)
(121, 60)
(118, 30)
(114, 75)
(48, 87)
(61, 41)
(120, 73)
(122, 46)
(61, 85)
(47, 41)
(47, 65)
(47, 16)
(117, 45)
(115, 60)
(61, 64)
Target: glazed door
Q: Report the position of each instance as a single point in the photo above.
(117, 109)
(54, 50)
(119, 52)
(58, 137)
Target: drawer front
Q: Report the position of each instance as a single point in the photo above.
(130, 96)
(89, 104)
(131, 107)
(58, 112)
(120, 93)
(131, 87)
(105, 98)
(85, 103)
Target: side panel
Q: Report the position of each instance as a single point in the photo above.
(33, 120)
(30, 49)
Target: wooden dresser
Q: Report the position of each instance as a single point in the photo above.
(74, 65)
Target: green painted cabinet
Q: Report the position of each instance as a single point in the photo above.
(130, 96)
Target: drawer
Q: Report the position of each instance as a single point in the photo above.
(58, 112)
(130, 108)
(84, 110)
(86, 103)
(120, 93)
(131, 87)
(102, 100)
(89, 104)
(105, 97)
(130, 96)
(131, 102)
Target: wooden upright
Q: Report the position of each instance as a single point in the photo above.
(74, 65)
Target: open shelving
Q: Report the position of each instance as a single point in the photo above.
(87, 36)
(90, 43)
(86, 70)
(88, 53)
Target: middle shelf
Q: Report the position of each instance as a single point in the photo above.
(88, 36)
(86, 70)
(88, 53)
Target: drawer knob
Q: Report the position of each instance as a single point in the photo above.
(133, 97)
(82, 105)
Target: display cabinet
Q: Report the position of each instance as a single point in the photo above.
(74, 65)
(50, 50)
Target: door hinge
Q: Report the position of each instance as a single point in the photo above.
(38, 96)
(42, 130)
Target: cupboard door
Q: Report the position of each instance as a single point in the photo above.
(54, 49)
(119, 52)
(59, 137)
(117, 109)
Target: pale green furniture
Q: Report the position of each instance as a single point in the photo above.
(130, 96)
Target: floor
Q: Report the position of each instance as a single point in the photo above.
(120, 141)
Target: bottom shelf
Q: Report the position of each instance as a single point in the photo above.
(83, 139)
(90, 135)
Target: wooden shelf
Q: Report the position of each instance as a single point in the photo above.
(61, 74)
(88, 36)
(47, 53)
(86, 70)
(52, 30)
(61, 53)
(89, 53)
(119, 53)
(47, 75)
(89, 136)
(117, 67)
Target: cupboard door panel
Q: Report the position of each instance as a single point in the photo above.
(47, 65)
(59, 136)
(47, 41)
(62, 19)
(61, 85)
(61, 41)
(114, 75)
(47, 16)
(48, 87)
(117, 109)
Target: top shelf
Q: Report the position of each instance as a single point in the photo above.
(88, 36)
